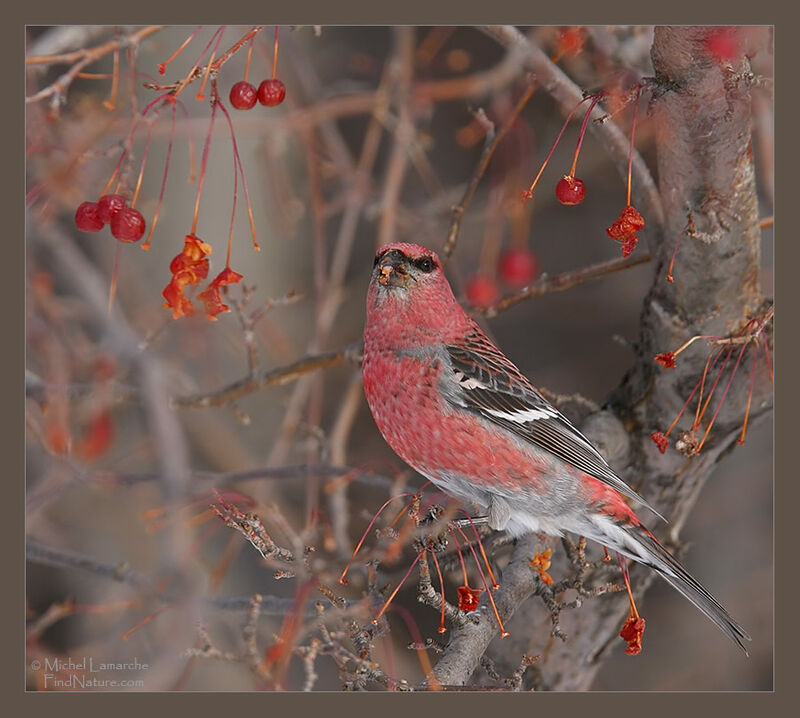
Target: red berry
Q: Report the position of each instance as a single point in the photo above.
(518, 266)
(243, 96)
(271, 92)
(87, 217)
(570, 190)
(109, 205)
(723, 44)
(482, 291)
(128, 225)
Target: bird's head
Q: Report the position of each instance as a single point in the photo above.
(409, 293)
(407, 269)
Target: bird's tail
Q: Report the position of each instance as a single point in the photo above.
(636, 542)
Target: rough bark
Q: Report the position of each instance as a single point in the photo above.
(703, 114)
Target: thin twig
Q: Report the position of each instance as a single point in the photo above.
(84, 58)
(492, 140)
(274, 377)
(565, 280)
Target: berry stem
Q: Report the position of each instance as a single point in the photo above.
(112, 287)
(201, 92)
(495, 585)
(442, 628)
(503, 632)
(766, 354)
(203, 165)
(192, 153)
(129, 139)
(623, 564)
(461, 558)
(235, 175)
(670, 278)
(141, 167)
(397, 588)
(162, 68)
(275, 54)
(238, 160)
(236, 46)
(249, 55)
(189, 77)
(683, 408)
(110, 103)
(750, 393)
(722, 398)
(529, 193)
(343, 576)
(581, 135)
(699, 416)
(630, 153)
(153, 224)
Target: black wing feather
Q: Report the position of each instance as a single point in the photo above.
(492, 385)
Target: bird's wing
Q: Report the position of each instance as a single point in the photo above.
(487, 383)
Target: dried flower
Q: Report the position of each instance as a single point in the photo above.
(687, 442)
(624, 228)
(666, 359)
(540, 563)
(468, 598)
(211, 295)
(632, 633)
(188, 268)
(661, 441)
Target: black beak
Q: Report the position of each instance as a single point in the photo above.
(392, 269)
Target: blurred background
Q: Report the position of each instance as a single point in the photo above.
(328, 180)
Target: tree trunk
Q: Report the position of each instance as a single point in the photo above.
(701, 109)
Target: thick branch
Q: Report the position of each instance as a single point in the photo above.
(703, 134)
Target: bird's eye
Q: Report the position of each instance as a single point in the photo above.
(425, 264)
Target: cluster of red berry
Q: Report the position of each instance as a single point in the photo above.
(270, 93)
(127, 223)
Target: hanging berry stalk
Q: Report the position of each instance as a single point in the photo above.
(624, 228)
(272, 92)
(153, 224)
(442, 628)
(238, 162)
(503, 632)
(528, 194)
(201, 92)
(194, 71)
(162, 68)
(571, 190)
(110, 103)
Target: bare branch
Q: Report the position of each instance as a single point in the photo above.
(492, 140)
(553, 79)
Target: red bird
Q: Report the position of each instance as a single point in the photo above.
(451, 405)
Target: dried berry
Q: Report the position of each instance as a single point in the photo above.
(468, 598)
(660, 440)
(632, 633)
(666, 359)
(211, 295)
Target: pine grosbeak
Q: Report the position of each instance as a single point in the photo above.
(456, 409)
